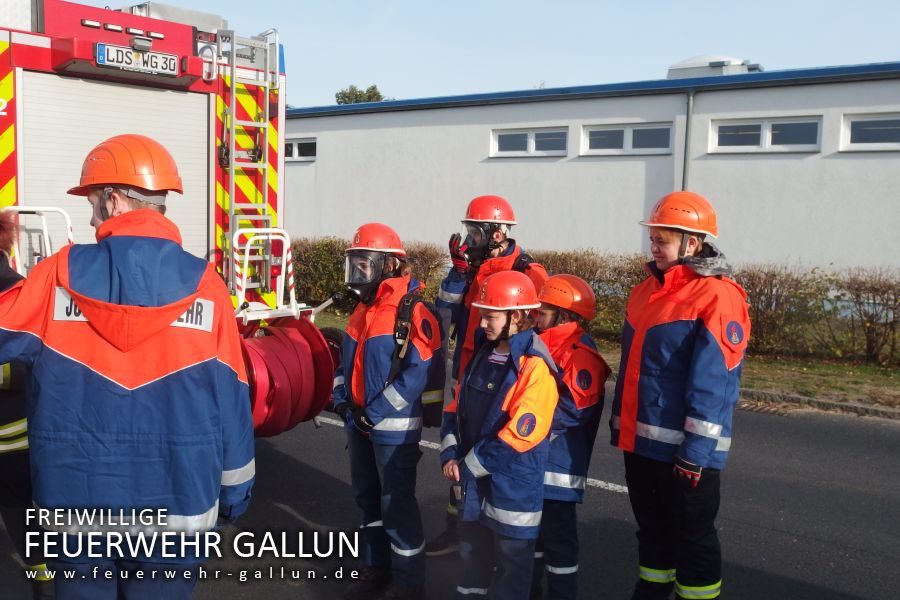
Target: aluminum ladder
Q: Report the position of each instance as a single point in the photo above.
(253, 62)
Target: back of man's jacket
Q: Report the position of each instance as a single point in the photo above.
(138, 395)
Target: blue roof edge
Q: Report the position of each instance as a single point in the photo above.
(654, 86)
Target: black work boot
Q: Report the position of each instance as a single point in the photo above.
(41, 584)
(371, 584)
(42, 590)
(395, 592)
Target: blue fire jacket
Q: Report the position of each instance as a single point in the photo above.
(366, 353)
(138, 396)
(501, 440)
(577, 418)
(683, 344)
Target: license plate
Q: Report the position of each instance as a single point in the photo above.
(122, 57)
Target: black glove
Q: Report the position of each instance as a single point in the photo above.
(688, 470)
(343, 409)
(458, 254)
(361, 421)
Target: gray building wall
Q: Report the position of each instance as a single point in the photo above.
(417, 169)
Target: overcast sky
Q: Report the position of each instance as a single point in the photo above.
(422, 48)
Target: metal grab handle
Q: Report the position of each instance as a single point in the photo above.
(258, 235)
(213, 61)
(276, 74)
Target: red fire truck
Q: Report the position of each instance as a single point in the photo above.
(73, 75)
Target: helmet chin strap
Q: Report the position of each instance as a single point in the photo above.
(557, 321)
(504, 333)
(685, 237)
(105, 195)
(492, 245)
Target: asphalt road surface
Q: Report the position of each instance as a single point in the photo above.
(810, 511)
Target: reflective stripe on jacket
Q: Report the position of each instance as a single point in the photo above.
(577, 417)
(502, 465)
(366, 354)
(683, 344)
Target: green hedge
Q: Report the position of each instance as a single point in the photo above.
(851, 313)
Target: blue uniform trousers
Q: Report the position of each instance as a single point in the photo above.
(118, 580)
(481, 550)
(557, 550)
(384, 486)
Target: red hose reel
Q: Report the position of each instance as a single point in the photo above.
(290, 369)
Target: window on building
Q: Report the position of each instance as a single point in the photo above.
(530, 142)
(651, 138)
(512, 142)
(766, 135)
(740, 135)
(300, 150)
(550, 141)
(606, 139)
(627, 139)
(871, 132)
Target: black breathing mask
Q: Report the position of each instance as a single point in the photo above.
(364, 270)
(479, 241)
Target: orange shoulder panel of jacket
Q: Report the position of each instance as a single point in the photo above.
(426, 333)
(24, 306)
(530, 403)
(585, 375)
(728, 320)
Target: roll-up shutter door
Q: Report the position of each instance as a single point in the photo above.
(63, 118)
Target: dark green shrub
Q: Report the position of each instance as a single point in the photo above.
(849, 314)
(318, 268)
(429, 265)
(610, 275)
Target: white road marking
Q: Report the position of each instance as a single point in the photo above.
(603, 485)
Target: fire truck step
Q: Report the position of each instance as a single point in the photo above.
(248, 81)
(249, 123)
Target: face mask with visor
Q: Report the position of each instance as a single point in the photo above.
(364, 272)
(478, 240)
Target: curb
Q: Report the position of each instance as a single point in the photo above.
(862, 410)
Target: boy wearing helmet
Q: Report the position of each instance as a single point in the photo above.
(384, 422)
(495, 441)
(485, 250)
(567, 302)
(139, 397)
(685, 334)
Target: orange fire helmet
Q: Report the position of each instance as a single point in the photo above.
(685, 211)
(507, 290)
(570, 293)
(129, 160)
(490, 209)
(377, 237)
